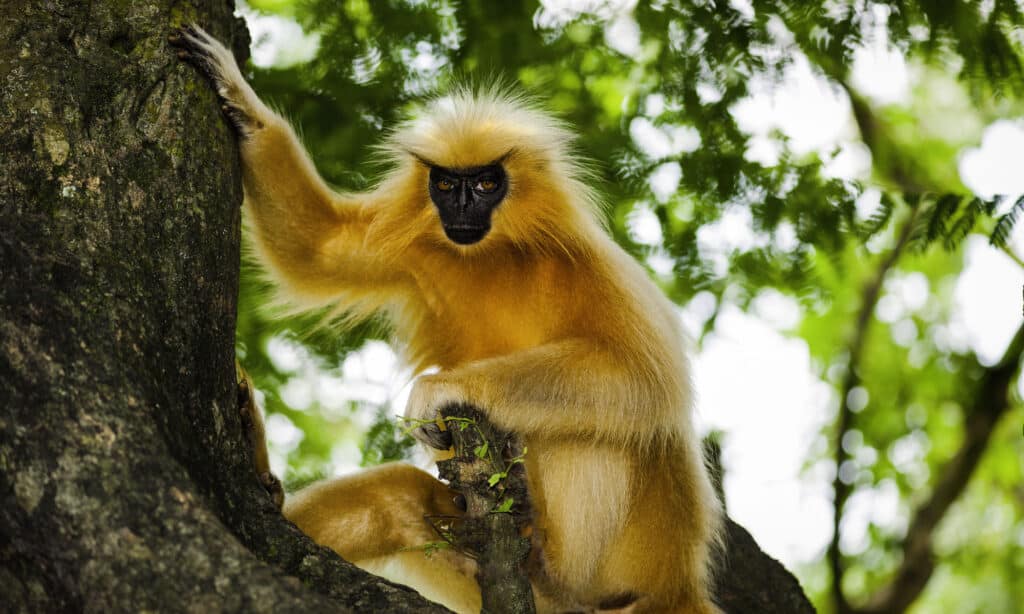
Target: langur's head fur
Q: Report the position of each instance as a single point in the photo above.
(482, 169)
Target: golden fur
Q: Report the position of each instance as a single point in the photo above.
(546, 324)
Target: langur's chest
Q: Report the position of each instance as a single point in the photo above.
(497, 312)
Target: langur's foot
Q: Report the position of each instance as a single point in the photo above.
(273, 487)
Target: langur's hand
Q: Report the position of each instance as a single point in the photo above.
(430, 394)
(238, 100)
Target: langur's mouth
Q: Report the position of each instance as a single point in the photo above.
(466, 235)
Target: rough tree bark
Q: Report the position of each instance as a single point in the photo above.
(126, 479)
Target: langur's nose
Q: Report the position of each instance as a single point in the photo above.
(464, 197)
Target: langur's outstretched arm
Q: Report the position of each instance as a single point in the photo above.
(311, 238)
(570, 387)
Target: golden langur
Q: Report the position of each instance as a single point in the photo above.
(483, 247)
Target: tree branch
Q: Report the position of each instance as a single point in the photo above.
(487, 469)
(844, 421)
(990, 403)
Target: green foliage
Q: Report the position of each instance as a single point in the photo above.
(504, 507)
(1005, 224)
(385, 442)
(692, 65)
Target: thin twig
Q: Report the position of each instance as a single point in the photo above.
(1012, 255)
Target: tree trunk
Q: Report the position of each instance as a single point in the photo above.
(126, 478)
(126, 481)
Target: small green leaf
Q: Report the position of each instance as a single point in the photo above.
(481, 450)
(495, 478)
(433, 548)
(505, 506)
(941, 213)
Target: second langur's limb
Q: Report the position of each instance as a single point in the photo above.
(569, 387)
(313, 238)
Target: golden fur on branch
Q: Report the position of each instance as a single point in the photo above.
(544, 323)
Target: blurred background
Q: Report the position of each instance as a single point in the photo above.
(827, 189)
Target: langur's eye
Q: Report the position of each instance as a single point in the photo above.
(486, 185)
(445, 186)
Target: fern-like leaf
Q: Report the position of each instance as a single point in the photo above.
(965, 223)
(1004, 225)
(878, 219)
(943, 210)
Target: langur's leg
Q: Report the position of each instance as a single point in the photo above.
(374, 512)
(379, 519)
(662, 557)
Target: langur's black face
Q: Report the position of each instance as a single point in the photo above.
(465, 199)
